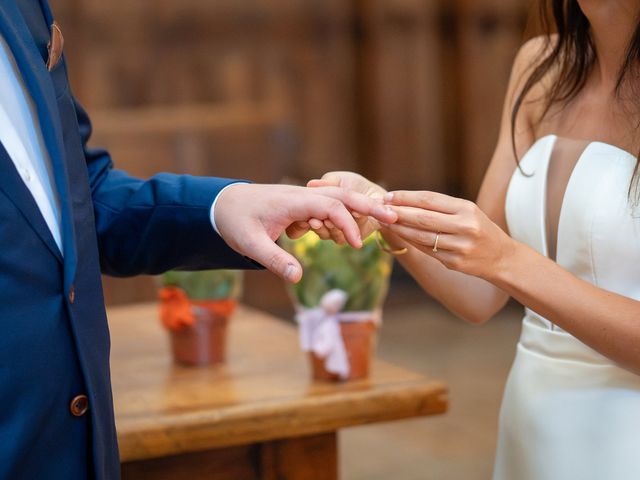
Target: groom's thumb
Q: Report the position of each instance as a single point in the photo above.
(275, 259)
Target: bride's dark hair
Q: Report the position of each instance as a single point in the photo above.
(572, 55)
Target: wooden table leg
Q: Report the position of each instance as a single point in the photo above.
(302, 458)
(233, 463)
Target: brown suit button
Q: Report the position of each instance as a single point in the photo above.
(72, 294)
(79, 405)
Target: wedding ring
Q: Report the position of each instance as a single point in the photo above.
(381, 244)
(435, 245)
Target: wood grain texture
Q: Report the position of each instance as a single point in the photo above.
(263, 393)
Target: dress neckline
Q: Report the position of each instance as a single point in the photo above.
(550, 140)
(589, 143)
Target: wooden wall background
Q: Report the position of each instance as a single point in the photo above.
(407, 92)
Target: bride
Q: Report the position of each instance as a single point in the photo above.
(557, 227)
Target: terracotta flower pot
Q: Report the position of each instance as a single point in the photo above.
(204, 342)
(197, 328)
(359, 340)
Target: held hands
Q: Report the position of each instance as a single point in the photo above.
(250, 218)
(468, 241)
(353, 182)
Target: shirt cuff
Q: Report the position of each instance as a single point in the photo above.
(212, 214)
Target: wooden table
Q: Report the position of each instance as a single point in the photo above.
(258, 417)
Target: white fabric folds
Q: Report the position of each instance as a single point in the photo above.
(320, 331)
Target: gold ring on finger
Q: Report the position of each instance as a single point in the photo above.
(435, 244)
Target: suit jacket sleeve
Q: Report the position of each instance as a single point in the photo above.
(150, 226)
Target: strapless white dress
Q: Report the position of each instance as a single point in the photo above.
(569, 412)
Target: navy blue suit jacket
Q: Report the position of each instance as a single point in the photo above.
(54, 344)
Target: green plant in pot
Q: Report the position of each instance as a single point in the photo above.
(338, 303)
(196, 307)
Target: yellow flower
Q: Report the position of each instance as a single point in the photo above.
(302, 245)
(310, 239)
(370, 239)
(385, 268)
(299, 249)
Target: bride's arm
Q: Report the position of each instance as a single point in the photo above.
(470, 298)
(474, 299)
(607, 322)
(474, 245)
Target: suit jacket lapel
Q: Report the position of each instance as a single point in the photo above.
(17, 192)
(36, 78)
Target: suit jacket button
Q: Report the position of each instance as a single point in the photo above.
(72, 294)
(79, 405)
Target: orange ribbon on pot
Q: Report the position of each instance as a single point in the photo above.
(176, 308)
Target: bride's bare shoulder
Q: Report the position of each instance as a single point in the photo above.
(535, 48)
(530, 56)
(533, 52)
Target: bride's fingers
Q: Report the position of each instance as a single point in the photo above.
(323, 233)
(326, 230)
(331, 179)
(337, 236)
(423, 239)
(318, 227)
(426, 219)
(315, 223)
(367, 225)
(297, 229)
(427, 200)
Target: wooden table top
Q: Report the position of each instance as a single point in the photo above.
(264, 392)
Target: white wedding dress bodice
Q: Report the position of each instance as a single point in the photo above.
(569, 412)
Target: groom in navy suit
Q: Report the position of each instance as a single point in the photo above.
(65, 216)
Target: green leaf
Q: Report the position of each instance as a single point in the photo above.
(363, 274)
(206, 284)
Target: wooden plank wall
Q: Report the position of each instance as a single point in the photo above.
(401, 90)
(488, 35)
(408, 92)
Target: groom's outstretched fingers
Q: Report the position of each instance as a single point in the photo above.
(435, 201)
(331, 207)
(360, 204)
(267, 253)
(324, 231)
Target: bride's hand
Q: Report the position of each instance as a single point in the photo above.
(350, 181)
(467, 240)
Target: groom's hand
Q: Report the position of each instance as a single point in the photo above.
(250, 218)
(352, 182)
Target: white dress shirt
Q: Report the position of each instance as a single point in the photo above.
(21, 136)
